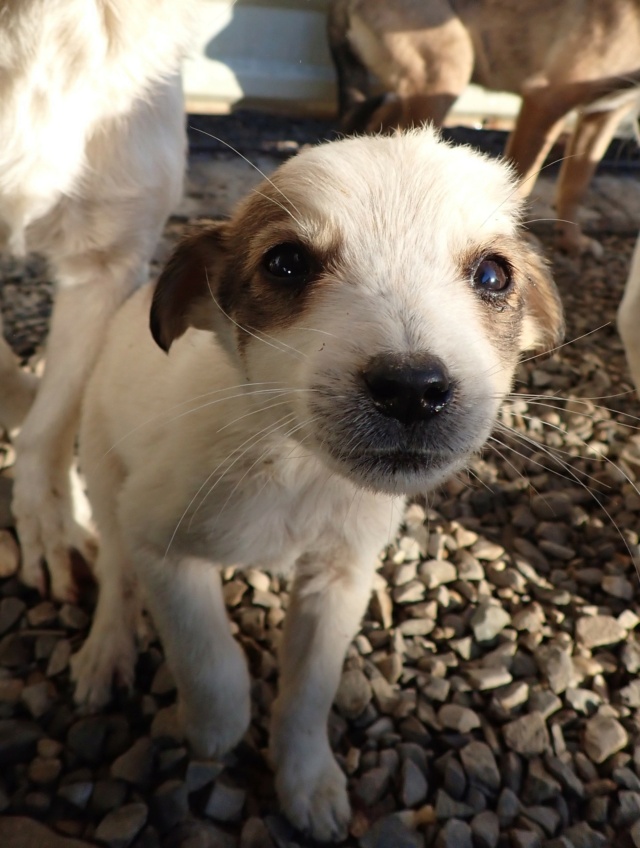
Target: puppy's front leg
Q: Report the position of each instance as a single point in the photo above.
(209, 667)
(329, 598)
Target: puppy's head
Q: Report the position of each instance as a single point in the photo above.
(385, 283)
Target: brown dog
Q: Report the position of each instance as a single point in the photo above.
(579, 54)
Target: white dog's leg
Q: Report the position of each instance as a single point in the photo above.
(186, 602)
(17, 388)
(99, 243)
(327, 604)
(46, 502)
(109, 653)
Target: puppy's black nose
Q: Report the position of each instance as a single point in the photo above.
(410, 388)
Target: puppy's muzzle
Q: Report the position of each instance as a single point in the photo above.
(410, 388)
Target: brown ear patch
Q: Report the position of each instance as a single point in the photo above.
(184, 293)
(543, 328)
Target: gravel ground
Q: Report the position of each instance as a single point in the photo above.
(492, 697)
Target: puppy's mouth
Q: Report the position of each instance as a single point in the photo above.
(399, 471)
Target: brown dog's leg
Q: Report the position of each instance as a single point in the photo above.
(539, 123)
(588, 144)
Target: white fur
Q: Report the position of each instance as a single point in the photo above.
(213, 456)
(91, 163)
(629, 317)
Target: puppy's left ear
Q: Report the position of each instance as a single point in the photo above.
(186, 289)
(543, 325)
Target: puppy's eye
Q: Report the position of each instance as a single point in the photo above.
(288, 263)
(492, 276)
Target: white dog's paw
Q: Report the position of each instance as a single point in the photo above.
(48, 531)
(104, 659)
(313, 795)
(213, 733)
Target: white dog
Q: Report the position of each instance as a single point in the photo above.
(363, 314)
(91, 162)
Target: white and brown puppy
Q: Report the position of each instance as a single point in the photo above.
(92, 156)
(347, 338)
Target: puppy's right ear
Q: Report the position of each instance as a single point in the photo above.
(185, 292)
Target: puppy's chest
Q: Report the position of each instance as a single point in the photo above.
(268, 516)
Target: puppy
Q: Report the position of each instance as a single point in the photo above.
(575, 55)
(346, 339)
(91, 163)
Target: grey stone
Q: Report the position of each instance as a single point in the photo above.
(77, 793)
(527, 735)
(544, 702)
(481, 767)
(202, 772)
(484, 679)
(508, 807)
(630, 656)
(37, 698)
(354, 693)
(44, 771)
(437, 572)
(546, 817)
(72, 617)
(225, 802)
(488, 620)
(556, 665)
(59, 659)
(135, 766)
(455, 717)
(626, 778)
(455, 779)
(485, 828)
(566, 775)
(618, 587)
(551, 506)
(628, 810)
(11, 610)
(18, 741)
(539, 785)
(165, 727)
(169, 804)
(44, 614)
(372, 785)
(524, 839)
(604, 736)
(595, 631)
(390, 832)
(255, 834)
(455, 834)
(630, 694)
(21, 832)
(50, 748)
(447, 807)
(120, 827)
(583, 700)
(107, 795)
(86, 738)
(413, 784)
(581, 835)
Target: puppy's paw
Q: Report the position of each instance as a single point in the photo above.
(575, 243)
(104, 659)
(313, 794)
(48, 532)
(212, 734)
